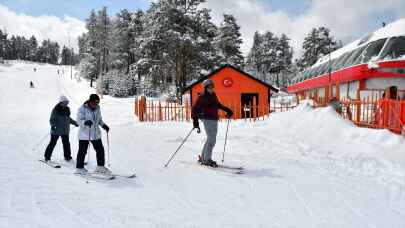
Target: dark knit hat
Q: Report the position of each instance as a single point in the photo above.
(207, 82)
(94, 97)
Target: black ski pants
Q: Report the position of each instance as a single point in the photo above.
(52, 144)
(83, 147)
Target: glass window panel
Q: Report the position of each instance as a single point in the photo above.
(372, 50)
(353, 57)
(316, 71)
(324, 68)
(395, 49)
(341, 60)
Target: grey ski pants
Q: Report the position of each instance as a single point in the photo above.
(211, 129)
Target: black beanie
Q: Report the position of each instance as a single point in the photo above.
(94, 97)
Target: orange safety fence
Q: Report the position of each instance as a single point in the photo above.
(372, 112)
(151, 111)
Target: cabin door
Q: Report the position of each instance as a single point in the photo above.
(247, 104)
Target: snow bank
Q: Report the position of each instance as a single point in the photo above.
(322, 135)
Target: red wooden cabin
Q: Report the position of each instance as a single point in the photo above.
(246, 95)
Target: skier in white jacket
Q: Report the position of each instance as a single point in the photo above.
(89, 119)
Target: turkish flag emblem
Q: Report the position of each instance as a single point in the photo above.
(227, 82)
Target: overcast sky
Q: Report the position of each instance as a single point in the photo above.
(348, 19)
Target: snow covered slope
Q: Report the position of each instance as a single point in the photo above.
(304, 168)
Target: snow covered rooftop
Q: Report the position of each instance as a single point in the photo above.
(396, 28)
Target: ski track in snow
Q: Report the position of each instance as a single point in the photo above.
(298, 173)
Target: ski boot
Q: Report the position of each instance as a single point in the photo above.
(102, 170)
(210, 162)
(81, 171)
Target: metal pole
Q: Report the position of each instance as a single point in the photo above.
(71, 58)
(226, 137)
(178, 148)
(89, 147)
(40, 142)
(108, 150)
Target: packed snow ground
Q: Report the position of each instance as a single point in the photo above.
(304, 168)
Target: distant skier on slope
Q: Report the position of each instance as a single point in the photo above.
(31, 85)
(60, 126)
(206, 108)
(89, 119)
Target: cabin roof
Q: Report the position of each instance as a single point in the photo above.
(189, 87)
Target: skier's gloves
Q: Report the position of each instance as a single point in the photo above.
(229, 114)
(106, 128)
(88, 123)
(75, 124)
(53, 128)
(196, 125)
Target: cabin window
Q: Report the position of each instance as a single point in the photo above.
(321, 92)
(352, 90)
(334, 91)
(395, 49)
(372, 50)
(343, 90)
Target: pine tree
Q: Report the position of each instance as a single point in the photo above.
(90, 49)
(284, 60)
(67, 56)
(104, 28)
(137, 28)
(3, 44)
(123, 38)
(33, 48)
(318, 43)
(173, 35)
(254, 57)
(229, 41)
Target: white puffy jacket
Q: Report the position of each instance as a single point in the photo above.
(86, 113)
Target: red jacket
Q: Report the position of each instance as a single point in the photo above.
(206, 107)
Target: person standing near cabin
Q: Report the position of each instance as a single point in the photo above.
(206, 108)
(89, 119)
(60, 127)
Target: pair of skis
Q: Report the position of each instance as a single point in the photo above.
(233, 169)
(95, 175)
(223, 168)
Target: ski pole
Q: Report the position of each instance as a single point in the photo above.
(178, 148)
(40, 142)
(89, 147)
(226, 137)
(108, 150)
